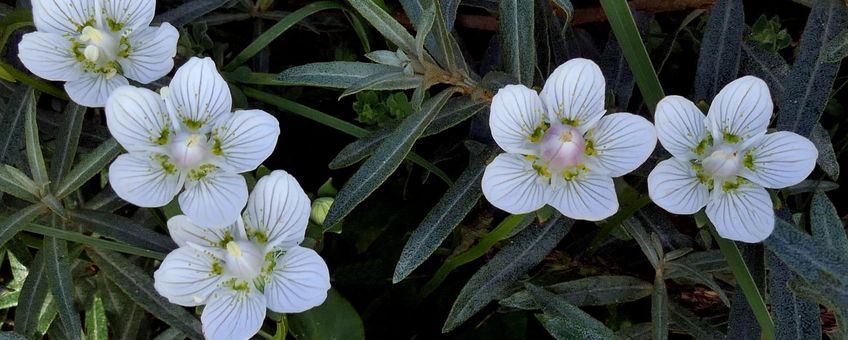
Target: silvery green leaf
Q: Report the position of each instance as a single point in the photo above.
(589, 291)
(826, 224)
(16, 183)
(697, 327)
(837, 48)
(565, 321)
(385, 57)
(385, 24)
(61, 285)
(383, 81)
(336, 74)
(718, 61)
(827, 160)
(518, 47)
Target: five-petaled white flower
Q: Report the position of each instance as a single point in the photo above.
(726, 159)
(255, 263)
(560, 148)
(188, 137)
(95, 45)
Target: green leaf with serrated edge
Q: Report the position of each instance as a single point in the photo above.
(125, 315)
(818, 265)
(13, 223)
(16, 183)
(827, 159)
(519, 254)
(134, 282)
(189, 11)
(805, 97)
(32, 297)
(61, 285)
(378, 80)
(95, 320)
(385, 160)
(341, 75)
(35, 158)
(659, 307)
(385, 24)
(334, 319)
(794, 318)
(589, 291)
(674, 270)
(446, 215)
(518, 47)
(837, 48)
(826, 224)
(698, 328)
(12, 123)
(718, 62)
(565, 321)
(90, 165)
(122, 229)
(66, 144)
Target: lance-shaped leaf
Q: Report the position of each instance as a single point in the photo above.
(718, 62)
(589, 291)
(61, 285)
(134, 282)
(439, 41)
(12, 224)
(675, 269)
(827, 160)
(444, 217)
(122, 229)
(382, 81)
(342, 75)
(827, 225)
(692, 324)
(35, 158)
(189, 11)
(11, 123)
(125, 316)
(817, 264)
(520, 254)
(66, 145)
(659, 307)
(837, 48)
(96, 327)
(518, 46)
(18, 184)
(768, 65)
(811, 77)
(565, 321)
(386, 159)
(794, 318)
(32, 298)
(90, 165)
(385, 24)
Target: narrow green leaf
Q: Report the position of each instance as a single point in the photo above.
(122, 229)
(33, 82)
(805, 96)
(826, 225)
(637, 231)
(809, 258)
(126, 317)
(423, 27)
(90, 165)
(625, 30)
(565, 321)
(828, 160)
(794, 318)
(334, 319)
(361, 148)
(675, 269)
(92, 241)
(379, 81)
(837, 48)
(136, 284)
(440, 42)
(718, 62)
(520, 254)
(659, 307)
(95, 321)
(518, 47)
(385, 24)
(385, 160)
(12, 123)
(67, 142)
(16, 183)
(59, 279)
(566, 7)
(340, 75)
(32, 298)
(589, 291)
(33, 145)
(698, 328)
(189, 11)
(444, 217)
(13, 223)
(765, 64)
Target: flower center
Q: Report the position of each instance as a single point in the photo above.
(244, 260)
(723, 162)
(189, 150)
(563, 146)
(100, 46)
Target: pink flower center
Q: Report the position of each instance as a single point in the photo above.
(563, 146)
(188, 151)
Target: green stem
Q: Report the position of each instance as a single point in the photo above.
(92, 241)
(746, 282)
(624, 28)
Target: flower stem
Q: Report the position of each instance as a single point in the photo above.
(746, 282)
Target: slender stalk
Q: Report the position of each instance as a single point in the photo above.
(746, 282)
(93, 241)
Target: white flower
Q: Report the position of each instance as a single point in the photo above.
(725, 161)
(255, 263)
(561, 149)
(188, 137)
(95, 45)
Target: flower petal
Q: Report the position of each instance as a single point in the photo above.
(622, 142)
(742, 214)
(93, 89)
(184, 231)
(674, 186)
(198, 95)
(214, 199)
(780, 159)
(186, 276)
(741, 109)
(137, 118)
(279, 209)
(246, 139)
(152, 51)
(49, 56)
(143, 180)
(232, 314)
(299, 282)
(589, 196)
(575, 92)
(130, 13)
(511, 184)
(516, 112)
(62, 16)
(680, 126)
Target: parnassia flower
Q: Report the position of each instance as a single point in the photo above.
(560, 148)
(725, 160)
(254, 264)
(95, 45)
(188, 137)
